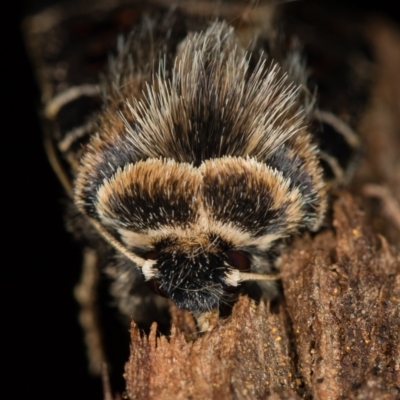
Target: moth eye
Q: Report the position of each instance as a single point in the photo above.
(151, 255)
(238, 260)
(155, 286)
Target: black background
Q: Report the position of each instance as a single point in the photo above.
(43, 354)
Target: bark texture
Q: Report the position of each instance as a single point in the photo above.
(336, 332)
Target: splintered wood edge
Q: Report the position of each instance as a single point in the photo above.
(233, 358)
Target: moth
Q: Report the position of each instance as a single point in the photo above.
(187, 137)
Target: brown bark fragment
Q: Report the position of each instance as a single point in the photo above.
(245, 356)
(343, 297)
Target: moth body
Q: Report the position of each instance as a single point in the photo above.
(200, 162)
(193, 139)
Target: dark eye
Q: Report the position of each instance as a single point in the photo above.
(238, 260)
(155, 286)
(151, 255)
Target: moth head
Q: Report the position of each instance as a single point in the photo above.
(198, 280)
